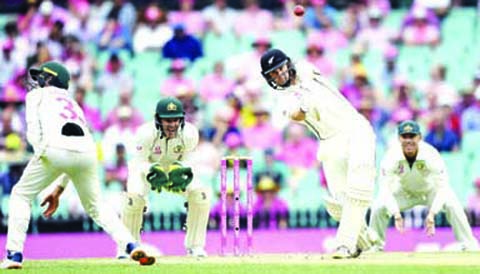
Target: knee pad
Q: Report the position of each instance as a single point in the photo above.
(200, 195)
(134, 203)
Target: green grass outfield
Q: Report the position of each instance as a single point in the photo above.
(385, 263)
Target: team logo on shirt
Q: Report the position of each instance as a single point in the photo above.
(178, 149)
(157, 150)
(420, 165)
(401, 169)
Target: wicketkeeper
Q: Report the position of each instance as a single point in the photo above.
(158, 165)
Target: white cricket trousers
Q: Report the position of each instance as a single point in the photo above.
(380, 217)
(349, 164)
(81, 168)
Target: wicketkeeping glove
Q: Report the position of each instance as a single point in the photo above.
(157, 177)
(180, 177)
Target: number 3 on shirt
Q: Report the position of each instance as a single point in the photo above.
(68, 111)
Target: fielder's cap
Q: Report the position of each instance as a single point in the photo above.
(409, 127)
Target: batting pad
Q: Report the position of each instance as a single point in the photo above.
(132, 215)
(366, 237)
(197, 217)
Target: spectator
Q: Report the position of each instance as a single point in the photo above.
(11, 176)
(152, 31)
(8, 64)
(332, 38)
(298, 149)
(316, 55)
(375, 36)
(114, 37)
(473, 203)
(236, 64)
(319, 14)
(40, 25)
(470, 118)
(41, 55)
(92, 114)
(219, 17)
(117, 171)
(354, 91)
(421, 31)
(440, 136)
(269, 207)
(119, 133)
(438, 91)
(389, 70)
(96, 18)
(182, 45)
(252, 20)
(113, 81)
(205, 167)
(14, 91)
(271, 136)
(20, 44)
(192, 19)
(353, 19)
(113, 117)
(125, 14)
(215, 86)
(177, 84)
(80, 64)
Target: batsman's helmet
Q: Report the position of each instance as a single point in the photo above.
(169, 107)
(51, 73)
(272, 60)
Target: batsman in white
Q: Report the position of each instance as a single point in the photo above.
(413, 173)
(161, 147)
(347, 147)
(62, 146)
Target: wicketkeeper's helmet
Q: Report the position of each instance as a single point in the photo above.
(272, 60)
(51, 73)
(169, 107)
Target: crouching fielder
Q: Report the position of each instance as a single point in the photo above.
(347, 140)
(413, 173)
(160, 147)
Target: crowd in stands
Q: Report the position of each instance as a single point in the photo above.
(99, 41)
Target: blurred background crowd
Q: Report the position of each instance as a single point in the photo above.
(394, 60)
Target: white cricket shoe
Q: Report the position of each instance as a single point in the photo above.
(13, 260)
(343, 252)
(198, 252)
(122, 254)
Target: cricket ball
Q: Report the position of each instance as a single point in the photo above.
(298, 10)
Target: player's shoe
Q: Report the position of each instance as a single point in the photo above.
(13, 261)
(122, 254)
(198, 252)
(343, 252)
(138, 254)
